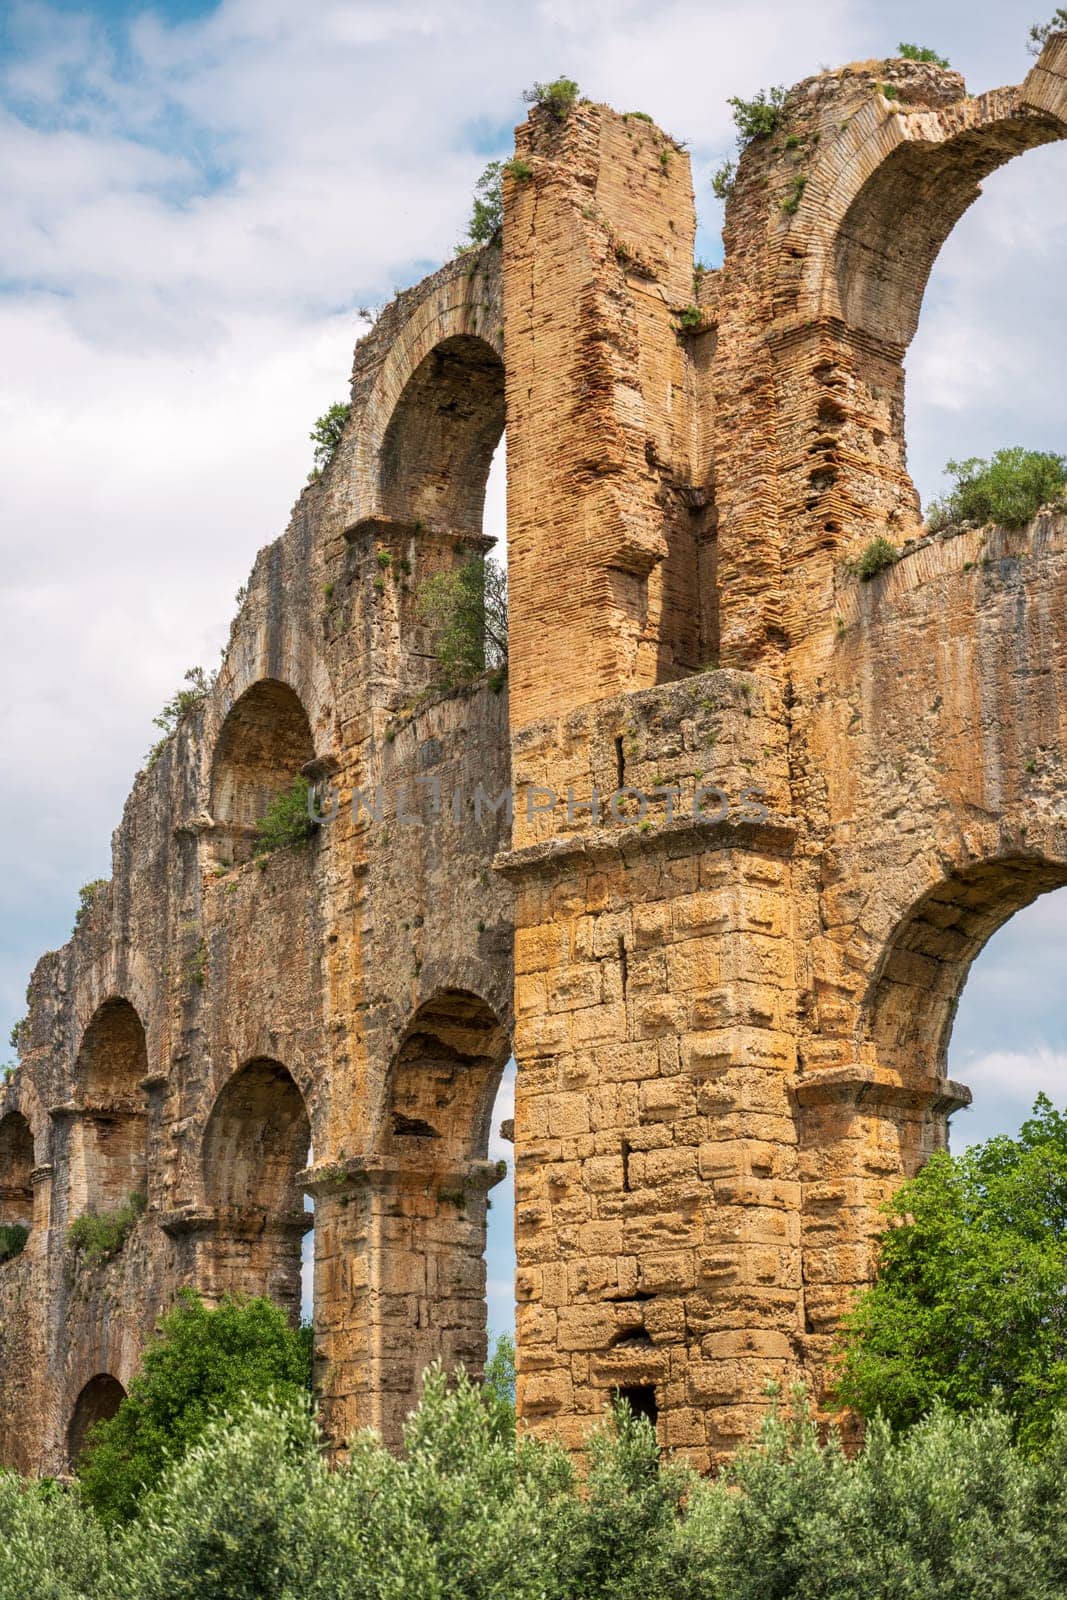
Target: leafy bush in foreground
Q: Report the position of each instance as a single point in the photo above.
(1009, 489)
(950, 1510)
(970, 1305)
(200, 1364)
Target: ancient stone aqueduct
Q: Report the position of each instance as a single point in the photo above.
(730, 1027)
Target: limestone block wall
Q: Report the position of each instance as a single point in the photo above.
(763, 817)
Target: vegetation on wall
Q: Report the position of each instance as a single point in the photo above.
(1042, 32)
(466, 611)
(86, 895)
(1009, 489)
(759, 117)
(13, 1236)
(96, 1236)
(287, 820)
(921, 52)
(178, 706)
(556, 97)
(326, 434)
(199, 1364)
(875, 557)
(970, 1304)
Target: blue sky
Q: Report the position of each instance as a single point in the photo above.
(194, 201)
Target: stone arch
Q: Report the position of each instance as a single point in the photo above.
(256, 1143)
(16, 1167)
(256, 1140)
(110, 1069)
(892, 181)
(443, 363)
(914, 992)
(439, 443)
(98, 1402)
(263, 745)
(445, 1077)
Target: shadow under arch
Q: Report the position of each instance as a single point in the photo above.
(16, 1168)
(445, 1076)
(262, 747)
(255, 1145)
(440, 439)
(112, 1128)
(98, 1402)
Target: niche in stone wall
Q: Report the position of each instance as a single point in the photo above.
(264, 743)
(256, 1143)
(16, 1165)
(111, 1133)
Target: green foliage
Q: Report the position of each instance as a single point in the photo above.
(18, 1035)
(921, 52)
(326, 434)
(1042, 32)
(791, 204)
(875, 558)
(251, 1511)
(86, 895)
(96, 1236)
(466, 611)
(181, 703)
(691, 317)
(1009, 489)
(556, 97)
(487, 212)
(200, 1363)
(723, 179)
(51, 1548)
(970, 1306)
(287, 820)
(759, 117)
(499, 1376)
(13, 1236)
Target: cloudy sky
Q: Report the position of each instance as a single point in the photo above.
(196, 196)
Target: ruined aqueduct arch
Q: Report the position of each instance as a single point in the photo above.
(730, 1033)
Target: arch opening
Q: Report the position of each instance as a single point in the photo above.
(256, 1143)
(439, 443)
(264, 744)
(916, 990)
(98, 1402)
(444, 1084)
(16, 1188)
(111, 1066)
(446, 1076)
(894, 229)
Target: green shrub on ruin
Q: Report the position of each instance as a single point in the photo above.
(1008, 490)
(556, 97)
(921, 52)
(287, 820)
(466, 612)
(327, 432)
(96, 1236)
(13, 1236)
(759, 117)
(876, 557)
